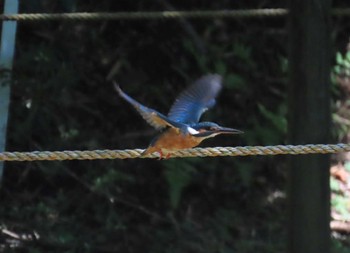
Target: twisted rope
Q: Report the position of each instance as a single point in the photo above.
(196, 152)
(144, 15)
(253, 13)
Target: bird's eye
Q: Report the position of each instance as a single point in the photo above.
(213, 128)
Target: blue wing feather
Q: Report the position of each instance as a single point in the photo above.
(154, 118)
(195, 100)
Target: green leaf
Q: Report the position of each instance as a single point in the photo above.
(346, 63)
(347, 56)
(339, 58)
(284, 64)
(277, 119)
(340, 204)
(235, 81)
(242, 51)
(246, 170)
(178, 176)
(220, 67)
(334, 184)
(111, 177)
(337, 69)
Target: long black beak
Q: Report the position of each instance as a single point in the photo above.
(226, 130)
(220, 130)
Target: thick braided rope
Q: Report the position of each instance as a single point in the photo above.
(144, 15)
(252, 13)
(196, 152)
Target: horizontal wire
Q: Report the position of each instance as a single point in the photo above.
(195, 152)
(249, 13)
(144, 15)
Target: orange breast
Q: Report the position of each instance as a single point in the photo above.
(172, 140)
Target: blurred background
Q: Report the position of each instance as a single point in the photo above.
(62, 98)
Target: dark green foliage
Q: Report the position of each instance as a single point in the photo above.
(61, 99)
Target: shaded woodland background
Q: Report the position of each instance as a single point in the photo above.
(63, 99)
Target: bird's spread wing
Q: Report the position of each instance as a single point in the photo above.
(154, 118)
(196, 99)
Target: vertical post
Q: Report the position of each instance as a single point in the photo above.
(7, 49)
(309, 122)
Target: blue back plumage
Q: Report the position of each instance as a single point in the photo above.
(196, 99)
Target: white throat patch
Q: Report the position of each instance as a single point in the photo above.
(192, 130)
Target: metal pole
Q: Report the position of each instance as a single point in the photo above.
(7, 50)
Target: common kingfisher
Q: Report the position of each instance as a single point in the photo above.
(181, 128)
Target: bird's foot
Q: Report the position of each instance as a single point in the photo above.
(162, 157)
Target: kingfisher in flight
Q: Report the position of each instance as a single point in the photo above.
(181, 128)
